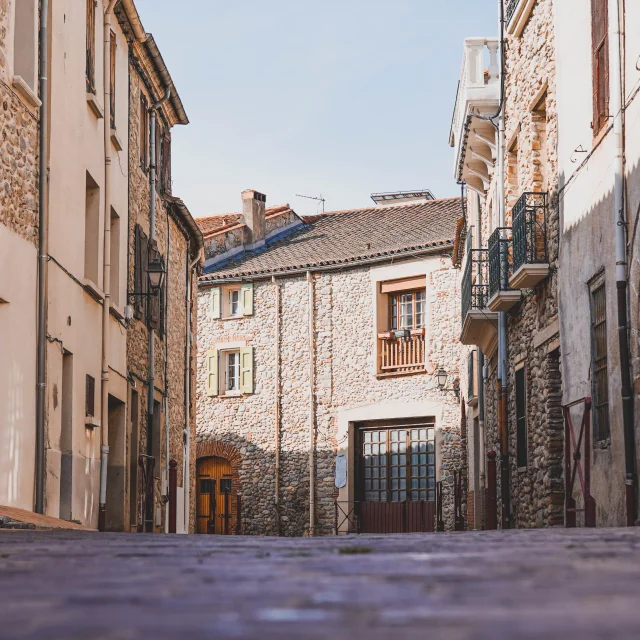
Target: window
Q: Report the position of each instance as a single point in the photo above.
(229, 371)
(407, 310)
(233, 371)
(26, 43)
(521, 418)
(91, 46)
(91, 230)
(140, 272)
(112, 79)
(600, 62)
(90, 397)
(399, 464)
(234, 302)
(143, 134)
(165, 176)
(599, 359)
(115, 258)
(231, 301)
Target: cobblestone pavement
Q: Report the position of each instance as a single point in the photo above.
(519, 584)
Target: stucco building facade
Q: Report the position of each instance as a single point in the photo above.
(66, 426)
(313, 393)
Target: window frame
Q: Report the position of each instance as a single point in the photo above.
(143, 133)
(90, 67)
(229, 302)
(395, 301)
(599, 373)
(600, 63)
(226, 358)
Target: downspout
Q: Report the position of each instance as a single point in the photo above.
(480, 501)
(43, 260)
(166, 380)
(617, 111)
(277, 406)
(312, 431)
(152, 236)
(503, 349)
(106, 266)
(186, 482)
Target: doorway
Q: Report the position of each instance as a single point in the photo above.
(214, 499)
(396, 476)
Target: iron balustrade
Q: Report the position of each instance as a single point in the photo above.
(530, 230)
(510, 9)
(475, 284)
(499, 262)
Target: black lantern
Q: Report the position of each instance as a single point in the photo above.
(155, 271)
(443, 376)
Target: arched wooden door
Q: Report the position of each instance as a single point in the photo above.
(211, 499)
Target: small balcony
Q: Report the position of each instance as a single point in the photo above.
(401, 351)
(530, 251)
(474, 139)
(479, 323)
(501, 296)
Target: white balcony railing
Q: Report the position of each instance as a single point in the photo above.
(479, 86)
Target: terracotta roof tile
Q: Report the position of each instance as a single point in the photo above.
(223, 221)
(331, 239)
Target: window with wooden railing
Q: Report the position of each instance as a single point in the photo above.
(402, 347)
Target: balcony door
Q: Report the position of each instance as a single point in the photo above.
(396, 471)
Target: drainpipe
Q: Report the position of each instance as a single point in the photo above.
(277, 407)
(166, 381)
(43, 259)
(186, 466)
(617, 110)
(106, 267)
(503, 349)
(312, 434)
(152, 236)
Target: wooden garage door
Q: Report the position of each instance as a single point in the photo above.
(397, 470)
(210, 501)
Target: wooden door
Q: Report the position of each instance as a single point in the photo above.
(397, 482)
(210, 503)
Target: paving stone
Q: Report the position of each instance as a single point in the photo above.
(549, 583)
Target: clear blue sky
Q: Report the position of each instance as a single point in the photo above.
(336, 97)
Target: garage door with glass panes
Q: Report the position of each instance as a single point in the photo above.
(397, 478)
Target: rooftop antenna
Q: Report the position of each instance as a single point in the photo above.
(320, 199)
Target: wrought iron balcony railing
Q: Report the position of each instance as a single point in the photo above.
(530, 230)
(475, 283)
(499, 260)
(510, 9)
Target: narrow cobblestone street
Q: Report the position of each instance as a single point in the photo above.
(519, 584)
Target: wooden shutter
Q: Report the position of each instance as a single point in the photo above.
(143, 134)
(215, 310)
(246, 370)
(140, 271)
(246, 296)
(166, 164)
(91, 46)
(112, 79)
(90, 397)
(600, 62)
(212, 373)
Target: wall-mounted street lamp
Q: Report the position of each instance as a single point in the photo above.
(155, 274)
(443, 376)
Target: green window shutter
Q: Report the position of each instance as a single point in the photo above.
(246, 369)
(212, 372)
(215, 308)
(246, 295)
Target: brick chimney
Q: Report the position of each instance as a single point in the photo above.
(253, 208)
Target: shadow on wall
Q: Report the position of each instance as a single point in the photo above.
(254, 478)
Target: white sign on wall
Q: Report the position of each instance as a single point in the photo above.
(341, 471)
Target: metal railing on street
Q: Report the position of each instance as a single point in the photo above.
(475, 283)
(499, 260)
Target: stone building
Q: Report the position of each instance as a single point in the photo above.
(599, 274)
(320, 340)
(504, 134)
(66, 424)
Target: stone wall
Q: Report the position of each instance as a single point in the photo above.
(170, 349)
(18, 165)
(344, 377)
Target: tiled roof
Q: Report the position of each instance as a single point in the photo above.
(223, 221)
(344, 237)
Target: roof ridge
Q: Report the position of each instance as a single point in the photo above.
(379, 208)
